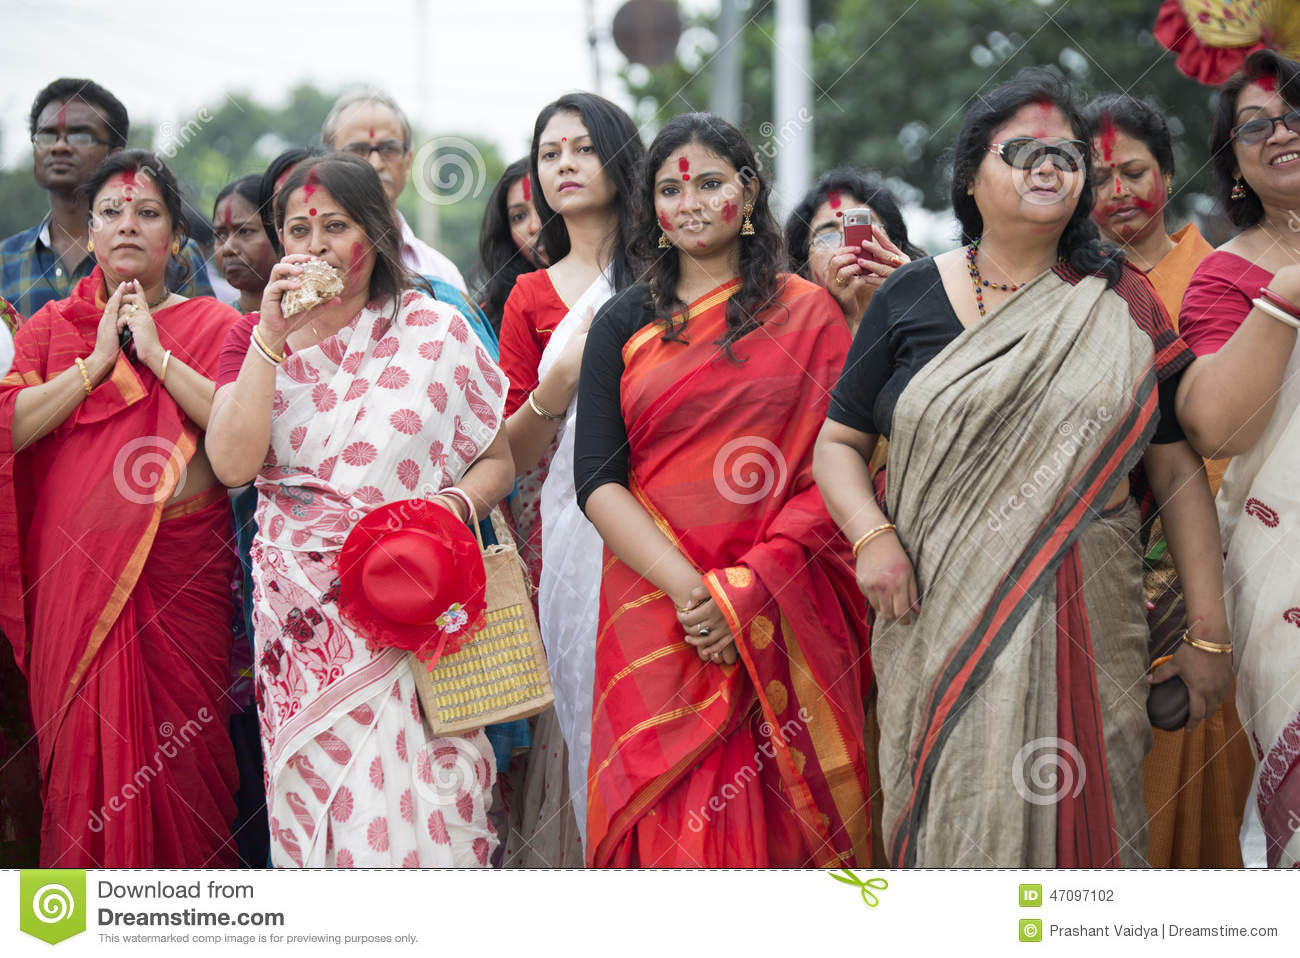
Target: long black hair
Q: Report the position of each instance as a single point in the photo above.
(762, 256)
(500, 261)
(1248, 210)
(1080, 243)
(354, 183)
(618, 145)
(866, 189)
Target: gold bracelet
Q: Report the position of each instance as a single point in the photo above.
(162, 376)
(85, 376)
(1216, 647)
(272, 354)
(868, 536)
(541, 410)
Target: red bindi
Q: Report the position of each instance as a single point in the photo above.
(684, 165)
(312, 211)
(1108, 137)
(663, 221)
(564, 139)
(527, 185)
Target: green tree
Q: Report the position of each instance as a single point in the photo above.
(892, 80)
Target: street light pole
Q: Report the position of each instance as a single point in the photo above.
(792, 129)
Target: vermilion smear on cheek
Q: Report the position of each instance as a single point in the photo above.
(1108, 136)
(684, 165)
(663, 221)
(527, 184)
(310, 186)
(1145, 205)
(358, 256)
(729, 212)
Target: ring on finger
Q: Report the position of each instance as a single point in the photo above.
(839, 280)
(703, 630)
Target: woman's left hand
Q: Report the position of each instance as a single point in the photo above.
(885, 257)
(134, 312)
(706, 628)
(1207, 675)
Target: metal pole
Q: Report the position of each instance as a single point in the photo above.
(724, 100)
(593, 43)
(792, 132)
(426, 220)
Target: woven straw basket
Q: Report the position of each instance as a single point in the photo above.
(499, 674)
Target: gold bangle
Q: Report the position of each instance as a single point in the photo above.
(85, 376)
(868, 536)
(1215, 647)
(541, 410)
(162, 375)
(275, 357)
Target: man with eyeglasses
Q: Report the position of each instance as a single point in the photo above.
(75, 124)
(370, 124)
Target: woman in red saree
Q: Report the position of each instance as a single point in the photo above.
(114, 561)
(727, 723)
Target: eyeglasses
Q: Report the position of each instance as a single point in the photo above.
(1261, 128)
(832, 237)
(47, 138)
(1026, 153)
(388, 149)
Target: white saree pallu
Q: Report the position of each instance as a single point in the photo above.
(386, 409)
(569, 592)
(1259, 514)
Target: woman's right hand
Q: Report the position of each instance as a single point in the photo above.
(104, 355)
(273, 327)
(886, 578)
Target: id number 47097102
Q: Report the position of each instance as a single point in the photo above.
(1082, 894)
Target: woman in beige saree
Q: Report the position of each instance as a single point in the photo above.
(1019, 381)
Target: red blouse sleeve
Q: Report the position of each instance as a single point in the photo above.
(1217, 301)
(236, 348)
(521, 350)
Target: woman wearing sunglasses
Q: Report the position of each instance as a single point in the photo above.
(1241, 398)
(1019, 381)
(1195, 782)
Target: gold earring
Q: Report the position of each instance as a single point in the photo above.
(176, 247)
(90, 247)
(1238, 190)
(747, 228)
(663, 240)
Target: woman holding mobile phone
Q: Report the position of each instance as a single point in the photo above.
(584, 154)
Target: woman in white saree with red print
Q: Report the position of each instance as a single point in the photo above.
(397, 402)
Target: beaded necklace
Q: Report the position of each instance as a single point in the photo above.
(978, 282)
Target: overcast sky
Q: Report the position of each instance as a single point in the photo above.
(491, 64)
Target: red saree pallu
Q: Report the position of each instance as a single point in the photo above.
(762, 762)
(117, 601)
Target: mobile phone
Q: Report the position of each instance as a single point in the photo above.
(857, 229)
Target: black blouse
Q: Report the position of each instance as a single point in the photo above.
(910, 321)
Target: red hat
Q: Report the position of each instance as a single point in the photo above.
(411, 577)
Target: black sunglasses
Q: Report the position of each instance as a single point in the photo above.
(1260, 128)
(1026, 153)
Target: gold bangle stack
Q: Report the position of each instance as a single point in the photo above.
(542, 410)
(85, 376)
(1219, 648)
(270, 353)
(868, 536)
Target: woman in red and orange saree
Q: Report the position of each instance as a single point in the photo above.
(727, 726)
(114, 560)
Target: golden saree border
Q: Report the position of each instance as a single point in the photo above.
(654, 330)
